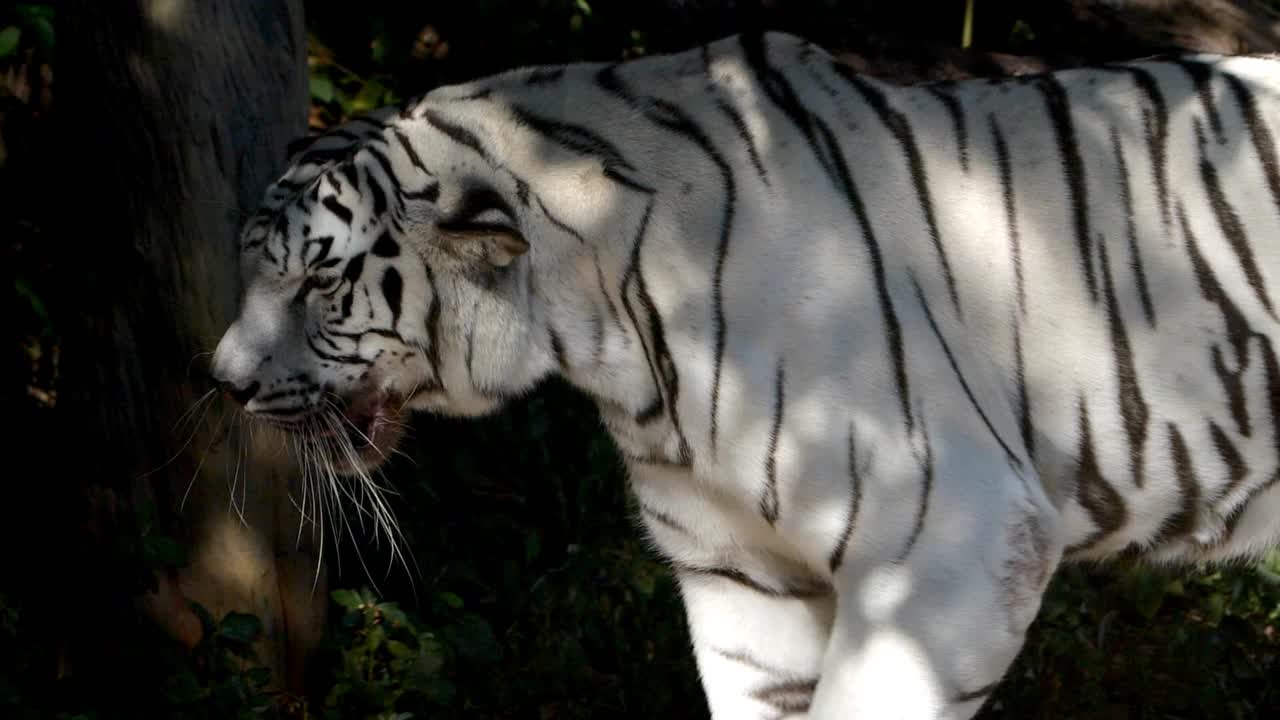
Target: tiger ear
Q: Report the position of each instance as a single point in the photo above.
(496, 245)
(297, 145)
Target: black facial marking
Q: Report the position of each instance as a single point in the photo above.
(392, 287)
(337, 208)
(351, 273)
(385, 247)
(478, 200)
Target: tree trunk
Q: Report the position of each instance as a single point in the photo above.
(176, 116)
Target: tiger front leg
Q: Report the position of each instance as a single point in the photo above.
(759, 624)
(928, 635)
(759, 651)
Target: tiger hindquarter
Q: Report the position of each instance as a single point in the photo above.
(952, 334)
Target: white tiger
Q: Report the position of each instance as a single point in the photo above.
(878, 356)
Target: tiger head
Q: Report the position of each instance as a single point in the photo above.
(383, 273)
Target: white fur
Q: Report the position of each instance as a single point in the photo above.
(917, 607)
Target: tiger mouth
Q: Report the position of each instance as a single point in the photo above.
(364, 432)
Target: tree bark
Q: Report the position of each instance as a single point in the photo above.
(176, 116)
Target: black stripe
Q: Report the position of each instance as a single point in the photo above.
(1230, 456)
(735, 119)
(1059, 108)
(379, 197)
(742, 657)
(433, 326)
(1010, 212)
(900, 127)
(1099, 499)
(674, 119)
(650, 412)
(557, 348)
(329, 331)
(1133, 408)
(385, 246)
(475, 201)
(809, 588)
(769, 500)
(925, 458)
(334, 206)
(1156, 127)
(788, 697)
(1259, 134)
(281, 394)
(744, 134)
(408, 150)
(1272, 371)
(326, 244)
(392, 287)
(608, 299)
(544, 75)
(584, 142)
(457, 133)
(892, 329)
(320, 156)
(1182, 522)
(1135, 256)
(1010, 455)
(663, 518)
(281, 229)
(343, 359)
(855, 502)
(1237, 330)
(952, 105)
(384, 162)
(661, 366)
(430, 193)
(349, 171)
(469, 351)
(779, 90)
(556, 221)
(1024, 398)
(1231, 226)
(597, 333)
(351, 273)
(1202, 76)
(972, 695)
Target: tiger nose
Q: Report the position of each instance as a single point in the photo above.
(242, 395)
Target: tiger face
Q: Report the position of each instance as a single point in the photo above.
(378, 286)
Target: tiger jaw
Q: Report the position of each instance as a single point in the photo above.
(365, 433)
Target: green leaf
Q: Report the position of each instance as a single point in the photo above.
(259, 676)
(206, 619)
(322, 88)
(32, 11)
(393, 614)
(9, 38)
(369, 97)
(474, 639)
(450, 599)
(240, 627)
(161, 551)
(349, 599)
(183, 688)
(439, 691)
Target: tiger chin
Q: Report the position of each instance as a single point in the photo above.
(879, 358)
